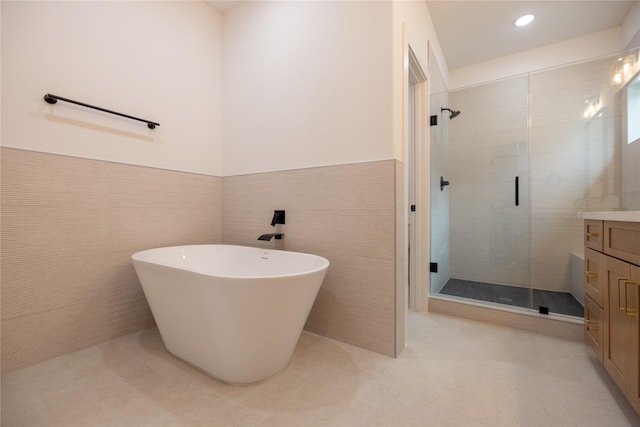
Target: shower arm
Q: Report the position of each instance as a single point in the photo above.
(454, 113)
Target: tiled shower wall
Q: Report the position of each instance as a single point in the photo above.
(69, 227)
(347, 214)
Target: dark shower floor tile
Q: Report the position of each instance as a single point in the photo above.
(557, 302)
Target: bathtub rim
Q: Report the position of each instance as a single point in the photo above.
(326, 263)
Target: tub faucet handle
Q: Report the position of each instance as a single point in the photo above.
(278, 218)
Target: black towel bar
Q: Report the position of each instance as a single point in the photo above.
(52, 99)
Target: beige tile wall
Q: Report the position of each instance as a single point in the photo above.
(69, 227)
(346, 213)
(402, 274)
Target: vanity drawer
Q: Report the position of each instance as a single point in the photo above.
(594, 273)
(593, 234)
(622, 240)
(593, 326)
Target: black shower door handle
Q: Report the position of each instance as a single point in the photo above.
(517, 191)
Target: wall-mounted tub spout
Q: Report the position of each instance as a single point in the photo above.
(269, 236)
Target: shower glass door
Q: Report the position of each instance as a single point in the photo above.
(480, 222)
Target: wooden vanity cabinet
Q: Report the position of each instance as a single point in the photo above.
(594, 328)
(622, 240)
(635, 357)
(613, 275)
(594, 273)
(593, 234)
(621, 326)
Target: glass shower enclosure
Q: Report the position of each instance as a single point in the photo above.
(524, 157)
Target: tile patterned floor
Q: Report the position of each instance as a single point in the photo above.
(455, 372)
(557, 302)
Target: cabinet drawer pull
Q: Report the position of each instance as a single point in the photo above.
(620, 307)
(627, 310)
(591, 325)
(592, 234)
(588, 274)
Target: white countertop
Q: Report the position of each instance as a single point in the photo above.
(627, 216)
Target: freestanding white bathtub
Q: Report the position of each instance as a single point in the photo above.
(234, 312)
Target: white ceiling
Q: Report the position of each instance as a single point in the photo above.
(475, 31)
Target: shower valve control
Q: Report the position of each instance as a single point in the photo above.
(443, 183)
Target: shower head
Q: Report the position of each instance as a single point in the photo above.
(454, 113)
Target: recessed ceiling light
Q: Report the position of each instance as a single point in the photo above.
(524, 20)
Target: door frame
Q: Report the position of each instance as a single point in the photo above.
(417, 164)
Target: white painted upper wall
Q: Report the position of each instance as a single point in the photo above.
(573, 50)
(157, 60)
(631, 27)
(412, 27)
(306, 84)
(412, 21)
